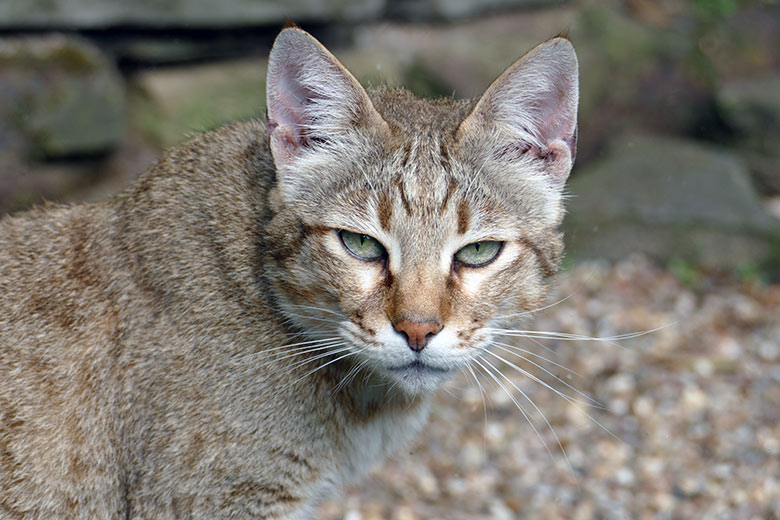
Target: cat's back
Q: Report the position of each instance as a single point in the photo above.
(75, 278)
(58, 262)
(53, 260)
(58, 326)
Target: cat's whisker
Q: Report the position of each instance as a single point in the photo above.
(339, 353)
(288, 348)
(476, 175)
(539, 411)
(330, 352)
(315, 308)
(363, 365)
(572, 400)
(448, 391)
(592, 402)
(291, 368)
(515, 401)
(519, 350)
(394, 390)
(350, 376)
(281, 356)
(368, 180)
(566, 336)
(281, 350)
(536, 310)
(354, 374)
(542, 346)
(482, 394)
(350, 352)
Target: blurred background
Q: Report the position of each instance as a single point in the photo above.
(673, 223)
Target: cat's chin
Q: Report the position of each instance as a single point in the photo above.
(417, 378)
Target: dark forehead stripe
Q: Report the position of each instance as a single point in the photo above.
(452, 185)
(385, 210)
(444, 155)
(398, 184)
(464, 215)
(406, 154)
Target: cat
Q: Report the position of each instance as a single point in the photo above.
(263, 315)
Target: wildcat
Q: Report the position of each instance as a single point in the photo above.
(263, 315)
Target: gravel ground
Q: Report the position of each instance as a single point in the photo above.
(686, 425)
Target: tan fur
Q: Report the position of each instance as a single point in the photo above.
(143, 367)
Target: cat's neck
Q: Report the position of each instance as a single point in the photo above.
(370, 396)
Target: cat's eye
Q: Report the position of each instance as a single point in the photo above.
(362, 246)
(479, 253)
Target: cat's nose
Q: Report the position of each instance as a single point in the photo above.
(417, 333)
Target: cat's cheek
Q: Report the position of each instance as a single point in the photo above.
(471, 282)
(368, 277)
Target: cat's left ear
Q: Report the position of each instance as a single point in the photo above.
(531, 110)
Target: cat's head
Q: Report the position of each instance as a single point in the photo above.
(406, 229)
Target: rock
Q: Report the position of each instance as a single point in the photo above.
(635, 77)
(752, 107)
(457, 55)
(456, 9)
(89, 14)
(170, 104)
(60, 97)
(765, 170)
(671, 199)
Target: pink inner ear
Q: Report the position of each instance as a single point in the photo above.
(287, 111)
(553, 113)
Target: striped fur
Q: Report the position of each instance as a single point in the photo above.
(203, 345)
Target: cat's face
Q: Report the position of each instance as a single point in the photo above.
(409, 228)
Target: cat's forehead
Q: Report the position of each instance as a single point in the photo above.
(423, 187)
(421, 165)
(410, 115)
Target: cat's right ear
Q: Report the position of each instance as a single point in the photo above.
(313, 102)
(530, 111)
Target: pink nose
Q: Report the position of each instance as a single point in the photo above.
(417, 332)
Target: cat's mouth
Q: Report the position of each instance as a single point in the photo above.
(418, 377)
(419, 367)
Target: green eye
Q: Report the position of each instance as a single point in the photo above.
(478, 253)
(362, 246)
